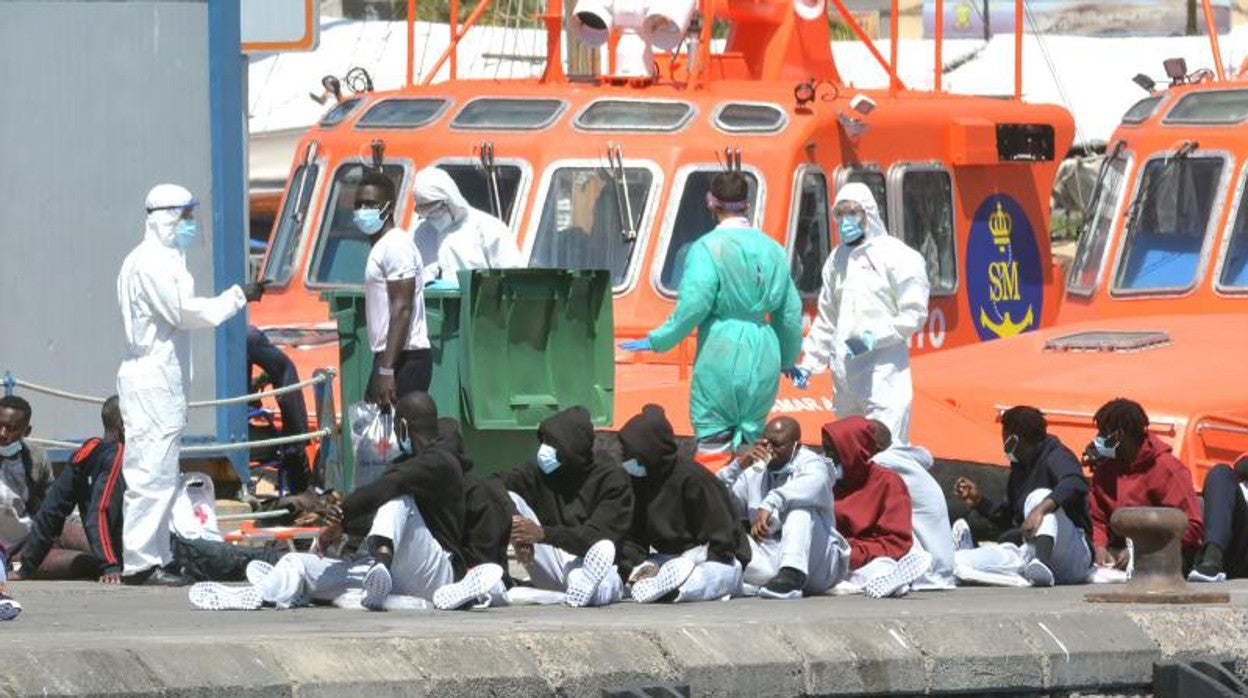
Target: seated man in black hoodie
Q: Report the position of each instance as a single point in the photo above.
(682, 513)
(487, 513)
(571, 513)
(413, 515)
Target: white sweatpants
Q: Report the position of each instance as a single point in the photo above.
(808, 543)
(1071, 557)
(153, 407)
(710, 581)
(419, 568)
(552, 568)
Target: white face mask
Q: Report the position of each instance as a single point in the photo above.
(547, 459)
(634, 467)
(441, 220)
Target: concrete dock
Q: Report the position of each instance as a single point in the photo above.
(77, 638)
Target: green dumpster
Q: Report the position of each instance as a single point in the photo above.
(510, 348)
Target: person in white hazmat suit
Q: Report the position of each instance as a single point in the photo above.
(784, 490)
(451, 235)
(158, 309)
(874, 298)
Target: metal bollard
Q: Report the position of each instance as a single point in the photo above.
(1156, 533)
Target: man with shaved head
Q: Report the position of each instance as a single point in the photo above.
(783, 493)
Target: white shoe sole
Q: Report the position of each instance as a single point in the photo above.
(257, 570)
(377, 587)
(211, 596)
(962, 539)
(598, 561)
(909, 568)
(10, 609)
(671, 575)
(970, 575)
(474, 586)
(765, 593)
(1199, 578)
(1038, 574)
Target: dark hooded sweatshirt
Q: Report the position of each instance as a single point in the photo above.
(1055, 468)
(873, 507)
(434, 478)
(487, 510)
(584, 500)
(678, 505)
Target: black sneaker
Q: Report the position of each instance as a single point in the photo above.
(787, 584)
(155, 577)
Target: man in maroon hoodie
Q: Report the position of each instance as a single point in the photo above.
(1133, 468)
(872, 507)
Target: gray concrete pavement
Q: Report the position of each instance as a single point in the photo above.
(84, 639)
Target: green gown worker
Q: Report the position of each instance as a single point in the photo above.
(738, 293)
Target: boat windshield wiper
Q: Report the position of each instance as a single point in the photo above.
(1086, 219)
(1146, 195)
(623, 202)
(490, 169)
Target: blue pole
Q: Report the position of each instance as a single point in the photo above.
(229, 187)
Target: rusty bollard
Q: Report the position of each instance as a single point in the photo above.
(1158, 578)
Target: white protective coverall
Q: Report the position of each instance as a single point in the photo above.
(930, 518)
(459, 237)
(158, 306)
(879, 286)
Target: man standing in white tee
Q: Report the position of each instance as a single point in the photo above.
(393, 302)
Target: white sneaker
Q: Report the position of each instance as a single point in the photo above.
(1196, 576)
(1038, 574)
(377, 587)
(474, 587)
(910, 567)
(969, 575)
(211, 596)
(962, 539)
(257, 570)
(9, 607)
(597, 563)
(671, 575)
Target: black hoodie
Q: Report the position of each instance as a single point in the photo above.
(434, 478)
(1055, 468)
(487, 509)
(584, 500)
(679, 504)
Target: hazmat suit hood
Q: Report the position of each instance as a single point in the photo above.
(649, 437)
(434, 184)
(854, 439)
(571, 433)
(858, 193)
(164, 204)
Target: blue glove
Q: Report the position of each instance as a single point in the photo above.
(642, 344)
(442, 285)
(860, 344)
(799, 376)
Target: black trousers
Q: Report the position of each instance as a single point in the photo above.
(413, 371)
(1226, 520)
(281, 370)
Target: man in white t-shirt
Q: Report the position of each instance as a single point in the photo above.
(393, 302)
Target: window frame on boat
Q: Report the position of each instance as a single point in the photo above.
(718, 123)
(1116, 289)
(500, 128)
(691, 111)
(1157, 99)
(522, 186)
(657, 182)
(341, 112)
(1115, 226)
(1224, 245)
(443, 108)
(672, 211)
(403, 192)
(1193, 97)
(896, 202)
(790, 245)
(295, 239)
(844, 175)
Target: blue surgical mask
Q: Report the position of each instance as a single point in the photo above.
(405, 445)
(634, 467)
(1103, 449)
(11, 450)
(547, 459)
(368, 220)
(185, 232)
(1011, 445)
(851, 229)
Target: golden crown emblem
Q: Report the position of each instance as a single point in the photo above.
(1000, 224)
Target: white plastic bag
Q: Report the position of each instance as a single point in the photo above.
(373, 441)
(194, 513)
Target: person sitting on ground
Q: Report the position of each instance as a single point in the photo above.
(783, 493)
(683, 514)
(1045, 505)
(1133, 468)
(487, 511)
(1225, 555)
(873, 512)
(452, 235)
(929, 518)
(413, 515)
(24, 478)
(572, 509)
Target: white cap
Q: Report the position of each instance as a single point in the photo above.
(169, 196)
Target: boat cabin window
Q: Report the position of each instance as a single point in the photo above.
(875, 181)
(341, 111)
(692, 221)
(582, 221)
(740, 117)
(508, 114)
(1168, 222)
(927, 224)
(1234, 274)
(1214, 107)
(474, 184)
(341, 248)
(634, 115)
(812, 232)
(284, 248)
(1085, 270)
(402, 113)
(1142, 110)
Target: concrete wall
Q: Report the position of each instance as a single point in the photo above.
(102, 101)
